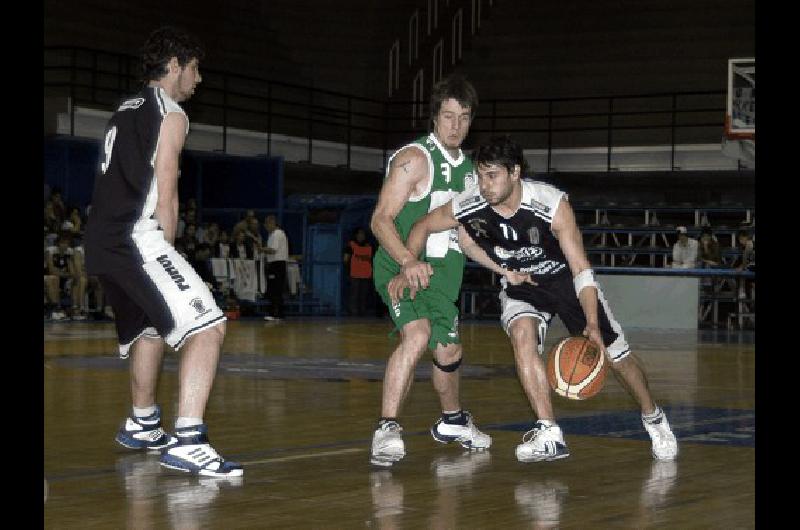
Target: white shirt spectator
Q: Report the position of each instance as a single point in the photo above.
(277, 241)
(685, 256)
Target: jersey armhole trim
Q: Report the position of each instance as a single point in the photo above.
(431, 175)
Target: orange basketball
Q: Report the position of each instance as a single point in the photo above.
(576, 368)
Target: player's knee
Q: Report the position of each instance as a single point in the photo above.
(448, 359)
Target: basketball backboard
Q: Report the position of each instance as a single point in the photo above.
(740, 116)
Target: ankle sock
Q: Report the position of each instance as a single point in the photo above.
(454, 418)
(144, 412)
(186, 421)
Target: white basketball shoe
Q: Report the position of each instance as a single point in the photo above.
(542, 443)
(665, 445)
(387, 444)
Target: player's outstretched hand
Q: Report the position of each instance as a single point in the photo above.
(517, 278)
(417, 273)
(592, 332)
(397, 285)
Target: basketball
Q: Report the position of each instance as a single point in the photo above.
(576, 368)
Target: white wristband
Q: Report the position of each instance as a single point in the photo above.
(585, 278)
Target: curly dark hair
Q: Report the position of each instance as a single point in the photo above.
(501, 150)
(162, 45)
(457, 87)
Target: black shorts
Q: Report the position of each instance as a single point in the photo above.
(557, 297)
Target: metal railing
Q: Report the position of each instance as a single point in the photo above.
(94, 78)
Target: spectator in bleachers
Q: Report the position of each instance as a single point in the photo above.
(253, 232)
(61, 263)
(358, 259)
(242, 247)
(75, 219)
(684, 252)
(709, 253)
(746, 260)
(189, 240)
(221, 248)
(211, 234)
(243, 223)
(59, 209)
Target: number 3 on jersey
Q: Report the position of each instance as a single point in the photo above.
(108, 146)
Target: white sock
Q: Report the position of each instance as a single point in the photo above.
(547, 423)
(186, 421)
(145, 412)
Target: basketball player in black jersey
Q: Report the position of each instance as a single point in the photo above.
(156, 295)
(510, 224)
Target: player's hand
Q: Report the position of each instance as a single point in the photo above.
(592, 332)
(397, 286)
(517, 278)
(417, 273)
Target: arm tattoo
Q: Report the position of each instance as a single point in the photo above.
(405, 165)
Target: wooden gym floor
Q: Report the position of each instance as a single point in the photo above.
(296, 403)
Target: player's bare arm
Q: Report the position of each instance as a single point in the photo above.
(170, 144)
(408, 175)
(474, 252)
(418, 272)
(565, 228)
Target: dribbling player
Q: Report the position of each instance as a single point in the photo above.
(507, 223)
(156, 295)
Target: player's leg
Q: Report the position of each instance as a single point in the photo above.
(455, 424)
(183, 309)
(627, 369)
(523, 332)
(525, 321)
(139, 342)
(387, 442)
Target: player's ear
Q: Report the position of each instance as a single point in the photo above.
(173, 66)
(516, 172)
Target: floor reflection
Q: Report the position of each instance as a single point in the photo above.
(541, 500)
(188, 498)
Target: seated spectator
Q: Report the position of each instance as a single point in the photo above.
(59, 208)
(709, 253)
(75, 219)
(189, 240)
(61, 264)
(222, 248)
(242, 247)
(684, 252)
(746, 260)
(211, 234)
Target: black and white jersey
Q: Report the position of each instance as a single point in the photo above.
(523, 242)
(125, 191)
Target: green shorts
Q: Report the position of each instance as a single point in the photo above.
(430, 304)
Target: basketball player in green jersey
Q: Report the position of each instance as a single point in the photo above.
(422, 176)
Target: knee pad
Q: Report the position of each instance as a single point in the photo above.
(452, 367)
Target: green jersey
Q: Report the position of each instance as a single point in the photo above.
(449, 178)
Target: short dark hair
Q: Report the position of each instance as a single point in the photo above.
(162, 45)
(457, 87)
(743, 232)
(501, 150)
